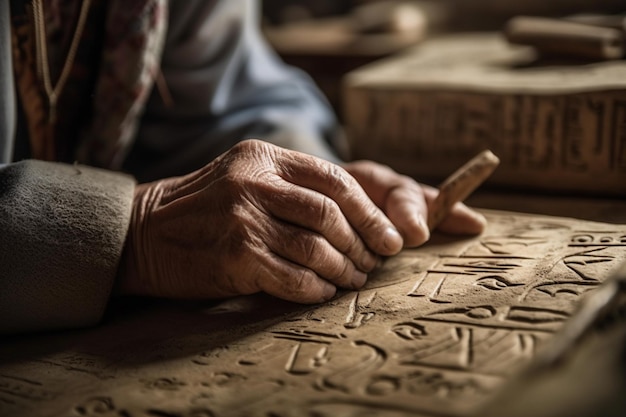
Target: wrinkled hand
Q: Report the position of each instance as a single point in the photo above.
(262, 218)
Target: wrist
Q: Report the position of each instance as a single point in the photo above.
(129, 277)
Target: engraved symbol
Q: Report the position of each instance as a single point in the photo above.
(309, 316)
(618, 137)
(264, 355)
(167, 384)
(95, 405)
(436, 384)
(358, 311)
(584, 263)
(471, 348)
(511, 244)
(222, 379)
(383, 385)
(464, 337)
(560, 288)
(310, 352)
(484, 265)
(409, 331)
(191, 413)
(24, 388)
(534, 315)
(574, 151)
(361, 366)
(447, 279)
(598, 238)
(480, 312)
(430, 286)
(305, 358)
(582, 239)
(526, 345)
(451, 349)
(495, 282)
(309, 336)
(475, 312)
(204, 358)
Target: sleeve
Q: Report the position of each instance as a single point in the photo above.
(62, 232)
(226, 85)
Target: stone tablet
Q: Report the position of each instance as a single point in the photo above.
(558, 126)
(434, 333)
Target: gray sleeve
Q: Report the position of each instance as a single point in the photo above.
(62, 232)
(7, 93)
(226, 85)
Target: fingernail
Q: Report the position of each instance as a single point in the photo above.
(358, 279)
(329, 291)
(392, 240)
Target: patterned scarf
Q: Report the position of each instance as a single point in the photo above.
(115, 68)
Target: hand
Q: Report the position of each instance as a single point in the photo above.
(262, 218)
(258, 218)
(405, 202)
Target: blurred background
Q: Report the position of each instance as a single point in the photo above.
(328, 38)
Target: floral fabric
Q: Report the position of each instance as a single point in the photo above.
(113, 73)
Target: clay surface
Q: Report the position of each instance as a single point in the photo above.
(435, 332)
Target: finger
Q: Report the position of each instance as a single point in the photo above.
(400, 196)
(284, 279)
(313, 251)
(461, 220)
(406, 206)
(314, 211)
(376, 230)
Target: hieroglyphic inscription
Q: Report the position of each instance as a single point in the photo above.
(555, 136)
(553, 127)
(435, 332)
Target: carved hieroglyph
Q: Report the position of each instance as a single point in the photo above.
(434, 333)
(555, 126)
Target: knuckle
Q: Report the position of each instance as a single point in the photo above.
(337, 269)
(247, 145)
(251, 156)
(301, 285)
(339, 179)
(372, 219)
(310, 247)
(327, 212)
(345, 270)
(406, 181)
(234, 182)
(412, 186)
(354, 246)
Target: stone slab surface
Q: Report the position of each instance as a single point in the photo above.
(435, 332)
